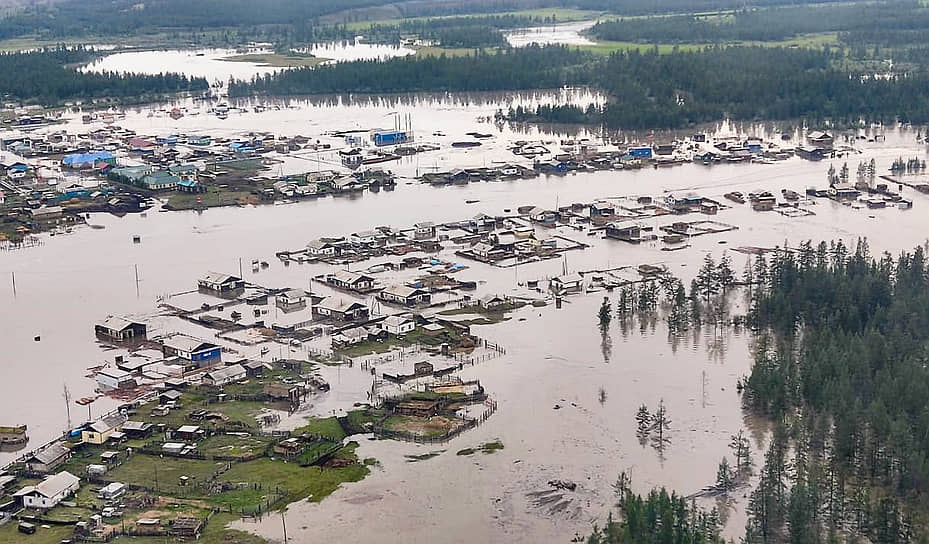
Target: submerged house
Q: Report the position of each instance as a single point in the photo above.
(115, 378)
(626, 231)
(820, 138)
(193, 350)
(405, 295)
(352, 281)
(340, 309)
(291, 298)
(220, 283)
(119, 329)
(567, 283)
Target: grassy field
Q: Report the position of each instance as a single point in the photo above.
(815, 41)
(433, 51)
(234, 446)
(54, 534)
(213, 197)
(278, 60)
(163, 473)
(312, 483)
(328, 427)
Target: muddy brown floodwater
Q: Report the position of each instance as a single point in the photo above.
(554, 356)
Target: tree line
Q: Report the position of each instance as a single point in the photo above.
(524, 68)
(43, 77)
(858, 22)
(645, 89)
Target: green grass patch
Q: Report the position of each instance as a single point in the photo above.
(328, 427)
(212, 198)
(437, 51)
(163, 473)
(423, 456)
(54, 534)
(362, 420)
(808, 41)
(486, 448)
(234, 446)
(313, 483)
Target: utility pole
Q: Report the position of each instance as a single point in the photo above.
(67, 396)
(136, 267)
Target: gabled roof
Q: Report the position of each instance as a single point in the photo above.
(108, 423)
(216, 277)
(402, 291)
(573, 277)
(294, 293)
(117, 323)
(50, 486)
(226, 372)
(481, 247)
(622, 225)
(171, 394)
(136, 426)
(346, 276)
(338, 304)
(396, 320)
(186, 343)
(318, 244)
(355, 332)
(51, 454)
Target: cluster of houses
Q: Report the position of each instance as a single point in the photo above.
(370, 243)
(311, 184)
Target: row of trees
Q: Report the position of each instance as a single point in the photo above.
(43, 77)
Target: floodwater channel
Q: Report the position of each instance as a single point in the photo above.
(554, 356)
(558, 34)
(213, 63)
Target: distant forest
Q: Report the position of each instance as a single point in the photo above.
(42, 77)
(81, 18)
(646, 90)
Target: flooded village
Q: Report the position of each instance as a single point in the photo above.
(225, 309)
